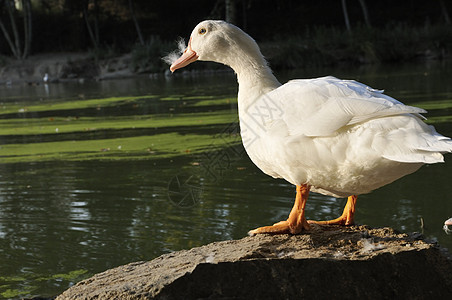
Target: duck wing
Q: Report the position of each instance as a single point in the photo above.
(328, 107)
(323, 106)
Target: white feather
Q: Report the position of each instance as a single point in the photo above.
(171, 57)
(341, 137)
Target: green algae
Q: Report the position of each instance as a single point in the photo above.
(7, 108)
(11, 293)
(172, 98)
(435, 104)
(439, 119)
(125, 140)
(140, 147)
(216, 101)
(15, 293)
(51, 142)
(198, 101)
(55, 125)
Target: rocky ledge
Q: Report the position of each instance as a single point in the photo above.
(328, 262)
(61, 67)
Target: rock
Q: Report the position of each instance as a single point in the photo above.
(328, 262)
(56, 65)
(117, 67)
(61, 67)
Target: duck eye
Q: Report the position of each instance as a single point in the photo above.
(202, 31)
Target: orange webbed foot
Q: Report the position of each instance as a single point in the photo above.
(281, 227)
(296, 222)
(347, 217)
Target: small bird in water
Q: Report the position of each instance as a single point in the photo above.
(447, 223)
(336, 137)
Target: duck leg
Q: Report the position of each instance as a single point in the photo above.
(347, 217)
(296, 221)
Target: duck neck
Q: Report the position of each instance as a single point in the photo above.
(255, 79)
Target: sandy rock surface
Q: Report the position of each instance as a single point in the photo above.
(328, 262)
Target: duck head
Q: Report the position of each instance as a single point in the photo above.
(218, 41)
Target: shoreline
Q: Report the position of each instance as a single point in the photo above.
(81, 66)
(368, 263)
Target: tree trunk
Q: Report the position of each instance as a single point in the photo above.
(17, 45)
(230, 11)
(5, 31)
(91, 33)
(365, 13)
(444, 12)
(244, 15)
(14, 40)
(217, 10)
(8, 38)
(135, 22)
(96, 21)
(347, 20)
(26, 6)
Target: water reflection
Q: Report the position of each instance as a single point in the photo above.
(68, 217)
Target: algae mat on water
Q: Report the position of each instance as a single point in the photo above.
(141, 147)
(44, 131)
(122, 135)
(7, 108)
(14, 293)
(54, 125)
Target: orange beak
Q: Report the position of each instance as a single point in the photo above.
(186, 58)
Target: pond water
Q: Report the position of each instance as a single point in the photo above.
(94, 175)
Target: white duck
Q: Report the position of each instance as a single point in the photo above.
(335, 137)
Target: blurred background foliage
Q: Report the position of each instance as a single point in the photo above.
(292, 33)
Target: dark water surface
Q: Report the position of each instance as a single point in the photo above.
(62, 220)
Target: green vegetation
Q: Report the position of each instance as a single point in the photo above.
(324, 46)
(86, 124)
(294, 33)
(117, 137)
(439, 119)
(435, 104)
(438, 110)
(147, 57)
(142, 147)
(70, 105)
(129, 136)
(8, 293)
(216, 102)
(15, 293)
